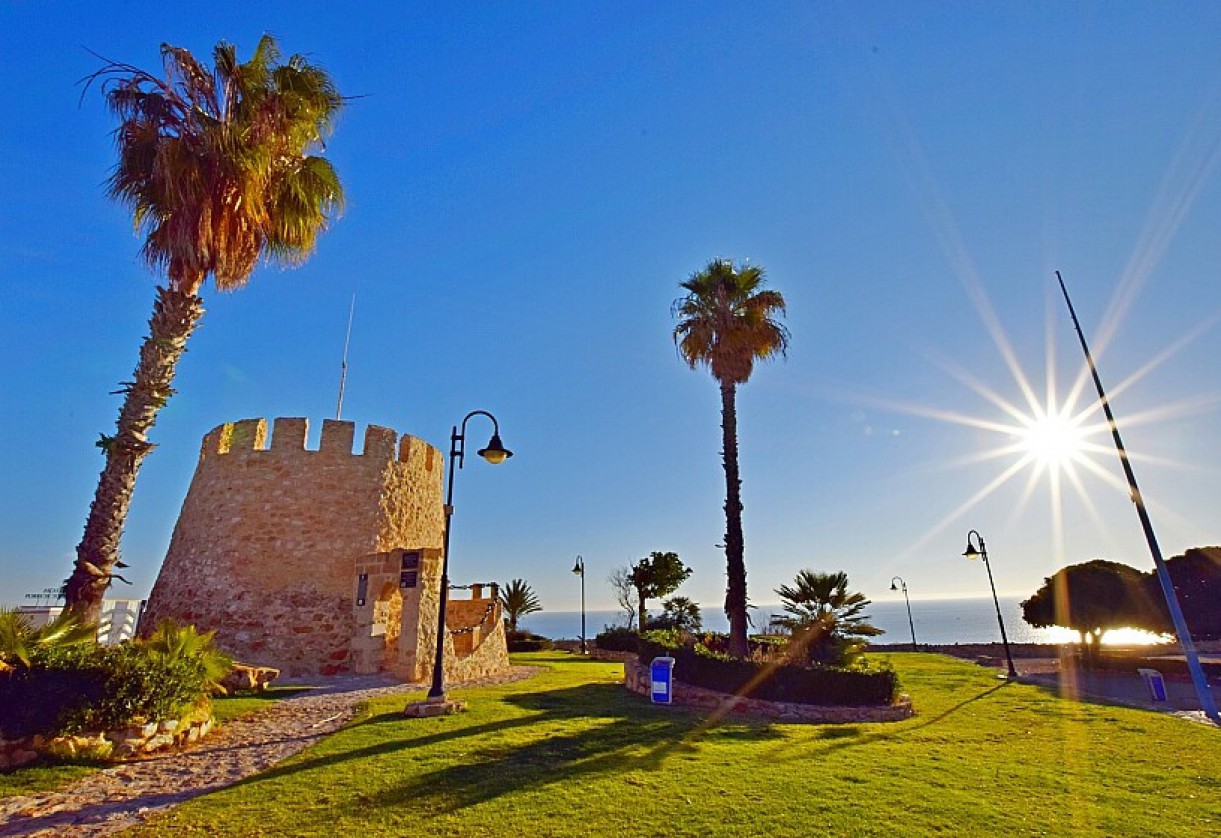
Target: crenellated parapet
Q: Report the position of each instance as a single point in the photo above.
(290, 435)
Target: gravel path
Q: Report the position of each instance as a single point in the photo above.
(123, 795)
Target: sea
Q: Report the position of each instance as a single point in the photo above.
(937, 622)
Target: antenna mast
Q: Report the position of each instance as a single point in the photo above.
(1163, 572)
(343, 374)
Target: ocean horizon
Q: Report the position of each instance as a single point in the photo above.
(937, 622)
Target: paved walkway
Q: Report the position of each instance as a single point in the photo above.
(124, 795)
(1128, 689)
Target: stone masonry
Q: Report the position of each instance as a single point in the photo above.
(321, 562)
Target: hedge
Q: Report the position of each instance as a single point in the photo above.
(800, 685)
(95, 688)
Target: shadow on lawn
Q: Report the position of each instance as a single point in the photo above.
(635, 737)
(628, 734)
(834, 738)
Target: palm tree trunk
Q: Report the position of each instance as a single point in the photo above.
(175, 315)
(735, 565)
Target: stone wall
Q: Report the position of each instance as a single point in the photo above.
(266, 546)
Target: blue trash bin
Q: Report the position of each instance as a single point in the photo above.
(661, 673)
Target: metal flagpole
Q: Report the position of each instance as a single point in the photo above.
(1163, 574)
(343, 374)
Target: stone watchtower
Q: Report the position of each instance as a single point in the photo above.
(321, 562)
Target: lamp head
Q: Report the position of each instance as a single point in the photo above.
(496, 452)
(893, 587)
(579, 567)
(971, 552)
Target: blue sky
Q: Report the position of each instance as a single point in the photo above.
(527, 185)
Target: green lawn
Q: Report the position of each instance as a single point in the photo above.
(573, 753)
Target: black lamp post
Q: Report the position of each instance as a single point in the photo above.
(494, 453)
(910, 624)
(579, 570)
(982, 553)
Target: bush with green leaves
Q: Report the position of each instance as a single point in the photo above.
(524, 641)
(617, 639)
(863, 684)
(20, 639)
(68, 688)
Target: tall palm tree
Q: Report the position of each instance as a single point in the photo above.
(726, 322)
(217, 172)
(518, 599)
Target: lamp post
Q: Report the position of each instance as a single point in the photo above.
(495, 453)
(910, 624)
(982, 553)
(579, 570)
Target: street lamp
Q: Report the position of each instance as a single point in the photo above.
(579, 570)
(982, 553)
(494, 453)
(910, 624)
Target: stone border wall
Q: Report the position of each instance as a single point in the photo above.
(121, 743)
(636, 678)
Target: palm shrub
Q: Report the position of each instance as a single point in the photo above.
(826, 623)
(171, 643)
(518, 599)
(19, 639)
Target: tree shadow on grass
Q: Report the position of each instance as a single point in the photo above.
(636, 737)
(620, 732)
(831, 739)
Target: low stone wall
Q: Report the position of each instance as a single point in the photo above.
(121, 743)
(637, 679)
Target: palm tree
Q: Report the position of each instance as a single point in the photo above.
(216, 170)
(827, 623)
(518, 599)
(726, 322)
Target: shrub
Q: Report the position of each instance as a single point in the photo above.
(617, 639)
(859, 686)
(87, 687)
(524, 641)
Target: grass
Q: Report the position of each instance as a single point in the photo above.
(48, 775)
(571, 752)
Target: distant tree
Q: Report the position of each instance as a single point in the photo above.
(1092, 597)
(726, 322)
(680, 613)
(518, 599)
(625, 593)
(216, 169)
(1196, 576)
(655, 576)
(827, 623)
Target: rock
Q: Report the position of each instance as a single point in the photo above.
(245, 677)
(167, 726)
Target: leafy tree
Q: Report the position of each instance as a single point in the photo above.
(679, 613)
(625, 593)
(216, 169)
(655, 576)
(1091, 598)
(828, 624)
(726, 322)
(19, 638)
(518, 599)
(1197, 580)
